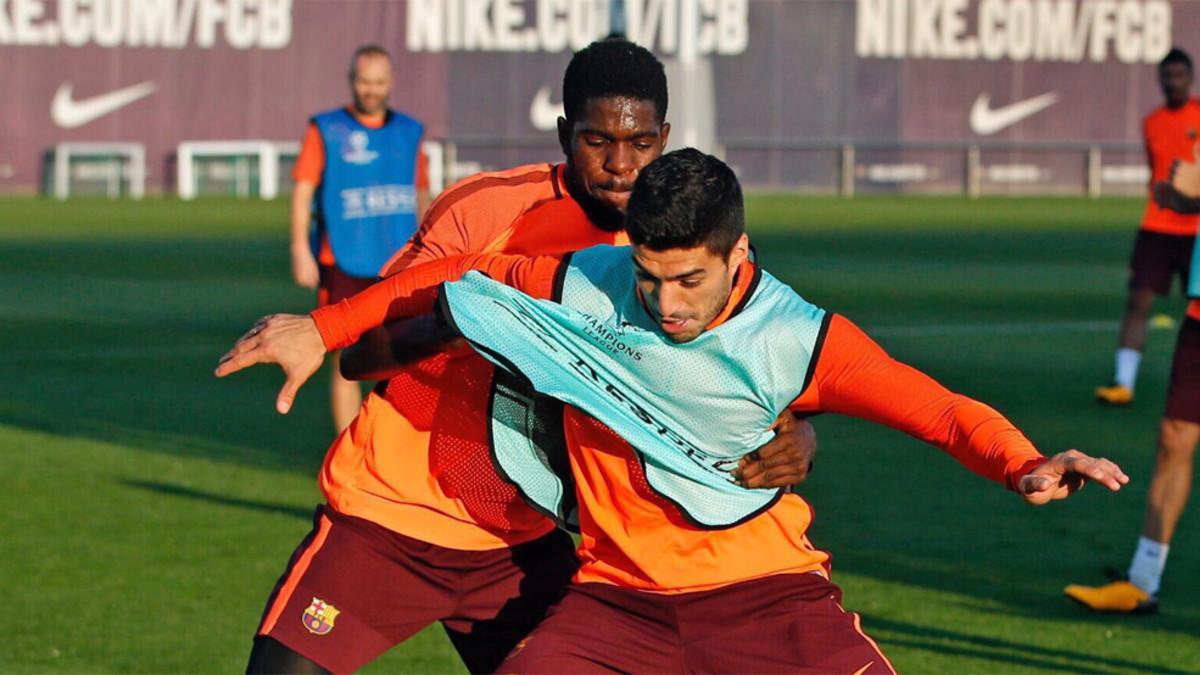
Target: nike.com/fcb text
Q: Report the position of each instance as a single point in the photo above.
(1073, 31)
(171, 24)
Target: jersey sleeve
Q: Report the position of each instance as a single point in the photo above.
(1148, 152)
(855, 376)
(455, 224)
(310, 163)
(413, 292)
(472, 215)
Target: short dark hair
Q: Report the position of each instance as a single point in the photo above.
(614, 67)
(366, 50)
(1176, 55)
(686, 199)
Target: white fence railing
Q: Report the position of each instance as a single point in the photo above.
(846, 167)
(941, 167)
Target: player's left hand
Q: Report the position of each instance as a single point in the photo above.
(1064, 473)
(1168, 197)
(1185, 176)
(290, 340)
(785, 460)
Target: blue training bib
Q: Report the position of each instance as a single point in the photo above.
(366, 202)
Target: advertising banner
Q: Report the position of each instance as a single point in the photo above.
(781, 87)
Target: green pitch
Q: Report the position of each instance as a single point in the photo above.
(148, 508)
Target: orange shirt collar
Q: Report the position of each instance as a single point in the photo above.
(368, 123)
(743, 284)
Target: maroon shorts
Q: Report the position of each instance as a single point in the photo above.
(786, 623)
(335, 285)
(354, 589)
(1183, 391)
(1157, 258)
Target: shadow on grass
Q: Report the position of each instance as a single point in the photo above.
(182, 293)
(1000, 651)
(223, 500)
(1004, 591)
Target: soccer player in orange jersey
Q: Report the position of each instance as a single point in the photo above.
(414, 505)
(361, 188)
(1163, 247)
(1178, 435)
(656, 591)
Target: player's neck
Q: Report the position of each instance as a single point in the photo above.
(599, 215)
(369, 119)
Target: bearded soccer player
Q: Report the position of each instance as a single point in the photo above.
(1178, 434)
(1163, 247)
(361, 188)
(418, 526)
(672, 355)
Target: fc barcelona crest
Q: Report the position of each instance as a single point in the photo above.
(319, 617)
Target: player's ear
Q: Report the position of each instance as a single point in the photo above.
(740, 251)
(664, 133)
(564, 135)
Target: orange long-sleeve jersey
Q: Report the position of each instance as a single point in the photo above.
(416, 459)
(634, 538)
(1170, 135)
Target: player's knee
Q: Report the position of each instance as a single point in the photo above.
(272, 656)
(1177, 440)
(1140, 301)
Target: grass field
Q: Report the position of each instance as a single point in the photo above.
(148, 507)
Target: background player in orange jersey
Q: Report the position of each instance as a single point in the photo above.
(361, 188)
(1178, 435)
(414, 504)
(1163, 247)
(656, 591)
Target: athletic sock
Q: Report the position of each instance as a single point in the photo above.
(1145, 571)
(1128, 361)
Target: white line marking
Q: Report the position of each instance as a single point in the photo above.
(1030, 328)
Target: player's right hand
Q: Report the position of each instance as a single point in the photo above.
(290, 340)
(304, 266)
(1064, 474)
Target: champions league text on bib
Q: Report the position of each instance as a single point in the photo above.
(367, 200)
(689, 410)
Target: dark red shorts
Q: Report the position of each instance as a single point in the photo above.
(1183, 391)
(354, 589)
(335, 285)
(1157, 258)
(786, 623)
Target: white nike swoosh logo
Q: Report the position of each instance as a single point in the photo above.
(985, 121)
(543, 114)
(69, 113)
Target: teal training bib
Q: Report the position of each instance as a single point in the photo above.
(689, 410)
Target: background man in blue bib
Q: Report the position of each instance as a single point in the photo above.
(361, 188)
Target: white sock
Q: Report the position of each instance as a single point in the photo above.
(1128, 361)
(1145, 571)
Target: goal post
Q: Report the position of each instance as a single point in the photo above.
(119, 167)
(253, 165)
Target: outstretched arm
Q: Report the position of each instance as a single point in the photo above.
(855, 376)
(298, 343)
